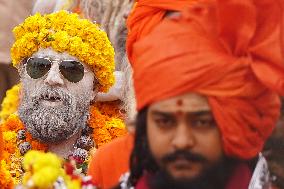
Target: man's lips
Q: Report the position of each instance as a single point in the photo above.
(182, 163)
(51, 100)
(52, 103)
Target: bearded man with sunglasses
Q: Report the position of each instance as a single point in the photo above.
(64, 62)
(56, 93)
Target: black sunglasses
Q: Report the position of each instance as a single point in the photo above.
(72, 70)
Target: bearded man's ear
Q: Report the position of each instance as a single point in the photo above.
(116, 91)
(95, 91)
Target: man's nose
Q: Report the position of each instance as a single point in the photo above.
(54, 77)
(184, 138)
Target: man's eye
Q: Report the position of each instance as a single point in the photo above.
(164, 122)
(202, 123)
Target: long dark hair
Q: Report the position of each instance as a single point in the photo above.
(141, 159)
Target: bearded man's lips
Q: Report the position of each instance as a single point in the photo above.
(51, 100)
(182, 163)
(184, 168)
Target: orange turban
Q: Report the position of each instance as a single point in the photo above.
(227, 50)
(146, 15)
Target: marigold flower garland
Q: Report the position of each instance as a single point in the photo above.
(6, 181)
(12, 157)
(39, 165)
(106, 120)
(10, 102)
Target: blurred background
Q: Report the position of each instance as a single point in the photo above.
(12, 13)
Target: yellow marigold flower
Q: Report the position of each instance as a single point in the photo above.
(6, 181)
(41, 165)
(115, 123)
(10, 102)
(12, 124)
(43, 169)
(47, 160)
(73, 184)
(116, 127)
(64, 31)
(36, 160)
(10, 138)
(45, 177)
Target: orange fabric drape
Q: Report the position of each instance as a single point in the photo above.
(146, 15)
(227, 50)
(111, 161)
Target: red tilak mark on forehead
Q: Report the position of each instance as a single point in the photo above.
(179, 102)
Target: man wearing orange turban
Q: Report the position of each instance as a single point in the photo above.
(112, 160)
(207, 86)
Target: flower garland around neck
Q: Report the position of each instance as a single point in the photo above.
(106, 123)
(10, 102)
(106, 120)
(12, 157)
(38, 167)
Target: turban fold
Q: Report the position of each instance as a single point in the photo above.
(227, 50)
(146, 15)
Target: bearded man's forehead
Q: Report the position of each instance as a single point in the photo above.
(51, 53)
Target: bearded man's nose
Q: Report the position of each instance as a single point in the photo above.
(183, 139)
(53, 76)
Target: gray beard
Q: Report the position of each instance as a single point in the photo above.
(54, 124)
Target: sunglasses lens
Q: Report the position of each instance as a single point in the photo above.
(37, 67)
(72, 70)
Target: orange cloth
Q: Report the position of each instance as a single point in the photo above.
(227, 50)
(146, 15)
(111, 161)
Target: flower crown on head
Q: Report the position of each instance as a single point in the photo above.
(65, 31)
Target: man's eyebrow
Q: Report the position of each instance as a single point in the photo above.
(201, 113)
(197, 113)
(159, 113)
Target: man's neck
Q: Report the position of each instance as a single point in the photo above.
(64, 148)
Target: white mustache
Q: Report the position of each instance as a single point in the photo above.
(47, 93)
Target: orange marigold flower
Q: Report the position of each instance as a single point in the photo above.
(106, 120)
(13, 123)
(36, 145)
(6, 181)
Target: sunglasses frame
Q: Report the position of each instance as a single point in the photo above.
(59, 61)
